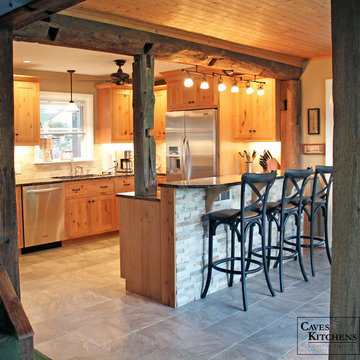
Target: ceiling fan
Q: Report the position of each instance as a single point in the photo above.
(119, 77)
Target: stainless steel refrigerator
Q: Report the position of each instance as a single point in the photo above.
(191, 144)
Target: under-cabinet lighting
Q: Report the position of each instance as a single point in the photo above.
(26, 61)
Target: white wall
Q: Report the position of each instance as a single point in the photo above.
(313, 80)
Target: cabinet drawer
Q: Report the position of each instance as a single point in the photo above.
(89, 188)
(124, 184)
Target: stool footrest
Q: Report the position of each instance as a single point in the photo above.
(319, 241)
(236, 272)
(293, 252)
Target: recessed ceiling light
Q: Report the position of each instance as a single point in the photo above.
(26, 61)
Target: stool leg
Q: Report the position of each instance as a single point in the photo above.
(299, 248)
(280, 255)
(266, 269)
(312, 244)
(242, 267)
(249, 253)
(269, 244)
(210, 261)
(327, 237)
(231, 277)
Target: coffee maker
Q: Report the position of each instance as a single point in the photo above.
(126, 162)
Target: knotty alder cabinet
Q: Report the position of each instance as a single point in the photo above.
(115, 113)
(90, 207)
(180, 97)
(27, 110)
(254, 116)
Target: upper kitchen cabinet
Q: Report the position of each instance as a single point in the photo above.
(160, 109)
(27, 110)
(254, 116)
(180, 97)
(115, 113)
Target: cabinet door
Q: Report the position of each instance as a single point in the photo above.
(77, 217)
(26, 113)
(122, 128)
(102, 214)
(159, 114)
(175, 95)
(204, 98)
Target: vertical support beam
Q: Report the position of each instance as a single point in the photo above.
(290, 94)
(144, 142)
(9, 257)
(345, 272)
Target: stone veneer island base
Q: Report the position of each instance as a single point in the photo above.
(164, 239)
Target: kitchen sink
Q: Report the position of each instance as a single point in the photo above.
(74, 176)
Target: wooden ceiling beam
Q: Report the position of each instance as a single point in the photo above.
(73, 32)
(14, 15)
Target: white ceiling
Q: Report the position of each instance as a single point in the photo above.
(60, 59)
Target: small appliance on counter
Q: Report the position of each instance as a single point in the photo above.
(126, 164)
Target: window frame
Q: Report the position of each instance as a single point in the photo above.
(87, 147)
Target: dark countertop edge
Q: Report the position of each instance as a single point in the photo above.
(182, 185)
(131, 195)
(51, 180)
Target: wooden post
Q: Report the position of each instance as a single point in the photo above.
(9, 257)
(345, 272)
(290, 95)
(144, 142)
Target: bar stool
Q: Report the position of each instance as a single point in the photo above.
(280, 213)
(240, 222)
(319, 200)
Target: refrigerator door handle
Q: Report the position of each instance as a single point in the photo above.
(183, 158)
(188, 159)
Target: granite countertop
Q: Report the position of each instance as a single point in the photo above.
(210, 182)
(131, 195)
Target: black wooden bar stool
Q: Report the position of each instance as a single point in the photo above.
(280, 213)
(240, 222)
(319, 200)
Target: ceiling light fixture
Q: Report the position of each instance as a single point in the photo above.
(221, 85)
(188, 82)
(235, 88)
(204, 84)
(249, 89)
(261, 90)
(71, 105)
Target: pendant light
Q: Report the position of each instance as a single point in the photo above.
(188, 82)
(249, 89)
(235, 88)
(221, 85)
(261, 90)
(72, 107)
(204, 84)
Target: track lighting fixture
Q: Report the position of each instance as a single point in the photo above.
(188, 81)
(72, 107)
(249, 89)
(204, 84)
(221, 85)
(235, 88)
(260, 89)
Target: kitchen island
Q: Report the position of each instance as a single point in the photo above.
(164, 238)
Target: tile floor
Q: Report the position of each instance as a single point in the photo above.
(79, 309)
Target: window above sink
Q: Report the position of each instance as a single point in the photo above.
(71, 133)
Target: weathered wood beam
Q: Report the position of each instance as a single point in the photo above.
(92, 35)
(9, 257)
(144, 142)
(290, 107)
(18, 13)
(345, 270)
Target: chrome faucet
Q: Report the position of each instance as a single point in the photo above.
(79, 170)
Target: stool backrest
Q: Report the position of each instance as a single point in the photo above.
(322, 182)
(260, 185)
(294, 185)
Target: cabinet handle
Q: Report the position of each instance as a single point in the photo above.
(76, 189)
(126, 184)
(163, 132)
(89, 201)
(254, 130)
(93, 201)
(17, 134)
(103, 187)
(250, 130)
(131, 133)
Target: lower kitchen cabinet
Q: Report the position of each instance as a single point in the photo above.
(90, 208)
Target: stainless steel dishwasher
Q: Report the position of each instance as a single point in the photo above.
(43, 212)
